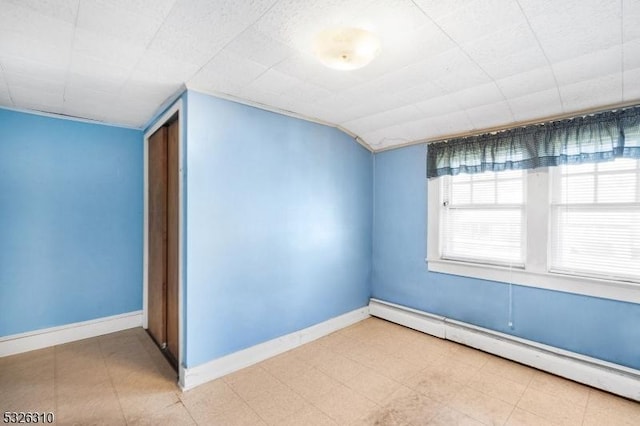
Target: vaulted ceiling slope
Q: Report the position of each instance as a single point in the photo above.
(445, 67)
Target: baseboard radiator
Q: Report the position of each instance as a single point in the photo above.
(614, 378)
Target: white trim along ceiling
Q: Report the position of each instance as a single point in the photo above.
(444, 67)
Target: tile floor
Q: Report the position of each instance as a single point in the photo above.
(372, 373)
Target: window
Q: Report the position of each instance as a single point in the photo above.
(572, 228)
(595, 219)
(482, 218)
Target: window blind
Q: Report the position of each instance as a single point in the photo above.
(482, 218)
(595, 219)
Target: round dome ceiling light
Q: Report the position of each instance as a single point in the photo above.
(346, 48)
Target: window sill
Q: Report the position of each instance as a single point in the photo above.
(607, 289)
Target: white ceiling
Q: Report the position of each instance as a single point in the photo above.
(445, 67)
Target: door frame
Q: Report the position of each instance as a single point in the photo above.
(177, 107)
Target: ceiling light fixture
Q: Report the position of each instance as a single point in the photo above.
(346, 48)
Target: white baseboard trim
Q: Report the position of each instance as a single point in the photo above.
(600, 374)
(47, 337)
(195, 376)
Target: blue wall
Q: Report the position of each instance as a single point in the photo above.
(600, 328)
(70, 221)
(278, 226)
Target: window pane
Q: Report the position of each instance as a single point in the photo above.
(599, 242)
(510, 191)
(595, 227)
(577, 189)
(491, 235)
(617, 188)
(483, 192)
(460, 193)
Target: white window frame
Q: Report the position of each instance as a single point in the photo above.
(535, 272)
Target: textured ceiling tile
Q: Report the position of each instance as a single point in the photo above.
(260, 48)
(35, 25)
(156, 9)
(536, 105)
(104, 18)
(383, 119)
(44, 84)
(592, 93)
(506, 41)
(28, 69)
(532, 81)
(454, 71)
(159, 67)
(523, 61)
(308, 93)
(479, 18)
(631, 52)
(37, 98)
(437, 9)
(492, 115)
(574, 27)
(90, 66)
(226, 73)
(275, 82)
(204, 27)
(65, 10)
(478, 95)
(631, 85)
(591, 65)
(107, 49)
(630, 19)
(450, 124)
(296, 23)
(22, 46)
(305, 67)
(438, 106)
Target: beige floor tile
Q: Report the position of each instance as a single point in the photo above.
(313, 384)
(172, 415)
(482, 407)
(497, 387)
(374, 386)
(345, 406)
(562, 388)
(520, 417)
(450, 417)
(339, 367)
(418, 357)
(285, 366)
(251, 382)
(277, 404)
(435, 384)
(412, 407)
(470, 356)
(551, 408)
(239, 416)
(97, 405)
(606, 408)
(210, 399)
(381, 417)
(434, 345)
(509, 370)
(308, 416)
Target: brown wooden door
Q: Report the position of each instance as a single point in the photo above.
(157, 281)
(163, 239)
(172, 241)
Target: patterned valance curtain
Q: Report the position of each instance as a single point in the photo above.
(599, 137)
